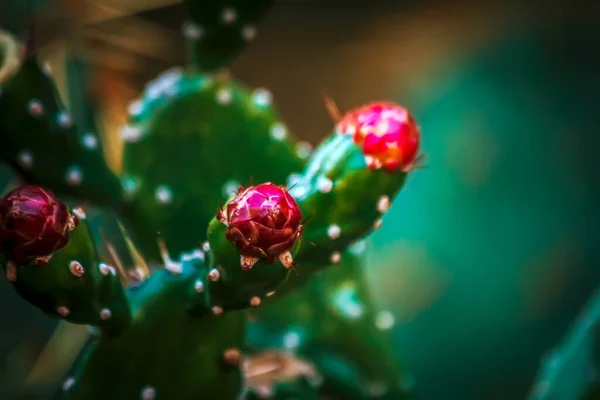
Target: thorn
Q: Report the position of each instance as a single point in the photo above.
(331, 108)
(287, 260)
(116, 260)
(307, 219)
(170, 265)
(248, 262)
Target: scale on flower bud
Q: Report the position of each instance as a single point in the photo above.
(33, 225)
(387, 135)
(263, 222)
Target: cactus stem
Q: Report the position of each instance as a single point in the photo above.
(11, 271)
(255, 301)
(287, 260)
(214, 275)
(334, 231)
(383, 204)
(248, 262)
(76, 268)
(232, 356)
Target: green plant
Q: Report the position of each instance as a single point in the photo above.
(214, 253)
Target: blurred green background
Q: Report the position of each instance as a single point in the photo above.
(490, 252)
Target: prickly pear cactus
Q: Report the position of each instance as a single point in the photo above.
(229, 214)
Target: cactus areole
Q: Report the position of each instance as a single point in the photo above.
(387, 134)
(33, 225)
(263, 223)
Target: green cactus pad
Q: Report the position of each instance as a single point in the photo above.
(40, 140)
(191, 141)
(333, 322)
(218, 31)
(190, 362)
(342, 199)
(74, 285)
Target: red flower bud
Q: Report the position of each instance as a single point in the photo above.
(33, 225)
(387, 134)
(263, 223)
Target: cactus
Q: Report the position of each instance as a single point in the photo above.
(570, 370)
(217, 211)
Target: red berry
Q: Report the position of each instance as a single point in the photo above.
(33, 225)
(263, 223)
(387, 134)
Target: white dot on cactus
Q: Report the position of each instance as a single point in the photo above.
(377, 224)
(130, 185)
(106, 269)
(334, 231)
(25, 159)
(217, 310)
(304, 149)
(294, 179)
(105, 314)
(68, 383)
(335, 257)
(63, 311)
(192, 30)
(249, 32)
(206, 247)
(35, 107)
(224, 96)
(358, 247)
(79, 213)
(230, 188)
(64, 119)
(278, 131)
(377, 389)
(196, 254)
(199, 286)
(89, 140)
(74, 175)
(324, 184)
(148, 393)
(11, 271)
(383, 204)
(76, 268)
(214, 275)
(229, 15)
(135, 108)
(262, 97)
(163, 194)
(298, 191)
(47, 68)
(384, 320)
(131, 134)
(270, 294)
(291, 340)
(255, 301)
